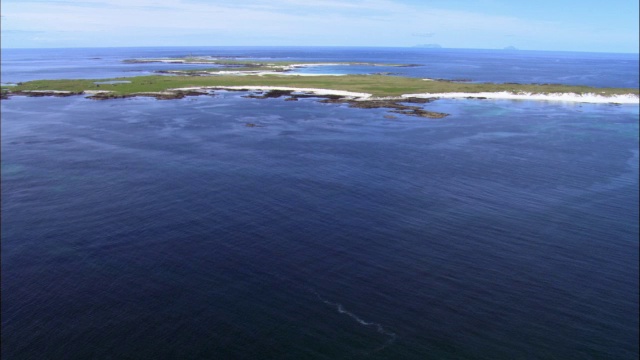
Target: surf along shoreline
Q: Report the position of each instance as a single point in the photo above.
(268, 80)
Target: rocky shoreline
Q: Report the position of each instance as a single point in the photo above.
(395, 105)
(400, 105)
(40, 93)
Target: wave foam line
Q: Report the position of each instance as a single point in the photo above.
(380, 329)
(349, 94)
(567, 97)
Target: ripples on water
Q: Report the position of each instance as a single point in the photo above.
(169, 229)
(573, 68)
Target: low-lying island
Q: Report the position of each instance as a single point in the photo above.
(276, 79)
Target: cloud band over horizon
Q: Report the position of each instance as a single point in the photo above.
(467, 24)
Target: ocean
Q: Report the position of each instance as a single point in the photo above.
(169, 229)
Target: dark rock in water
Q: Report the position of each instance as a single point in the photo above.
(397, 107)
(375, 104)
(158, 96)
(476, 97)
(107, 96)
(419, 100)
(193, 93)
(277, 93)
(40, 93)
(327, 98)
(272, 94)
(168, 96)
(421, 113)
(176, 95)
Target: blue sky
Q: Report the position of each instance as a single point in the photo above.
(588, 25)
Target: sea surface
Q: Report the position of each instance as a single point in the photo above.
(170, 229)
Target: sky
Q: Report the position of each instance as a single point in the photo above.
(556, 25)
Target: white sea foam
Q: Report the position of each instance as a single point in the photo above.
(564, 97)
(263, 73)
(47, 91)
(379, 328)
(293, 66)
(350, 94)
(567, 97)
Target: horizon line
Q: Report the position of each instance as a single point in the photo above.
(316, 46)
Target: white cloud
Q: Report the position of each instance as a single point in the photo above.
(262, 22)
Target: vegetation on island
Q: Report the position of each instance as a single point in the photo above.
(379, 86)
(251, 63)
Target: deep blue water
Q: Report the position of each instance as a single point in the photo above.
(574, 68)
(138, 228)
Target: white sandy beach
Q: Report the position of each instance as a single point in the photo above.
(565, 97)
(262, 73)
(350, 94)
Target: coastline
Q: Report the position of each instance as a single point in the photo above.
(622, 99)
(277, 77)
(314, 216)
(316, 91)
(593, 98)
(562, 97)
(257, 72)
(502, 95)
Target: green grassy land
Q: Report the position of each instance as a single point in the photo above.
(378, 85)
(199, 60)
(244, 65)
